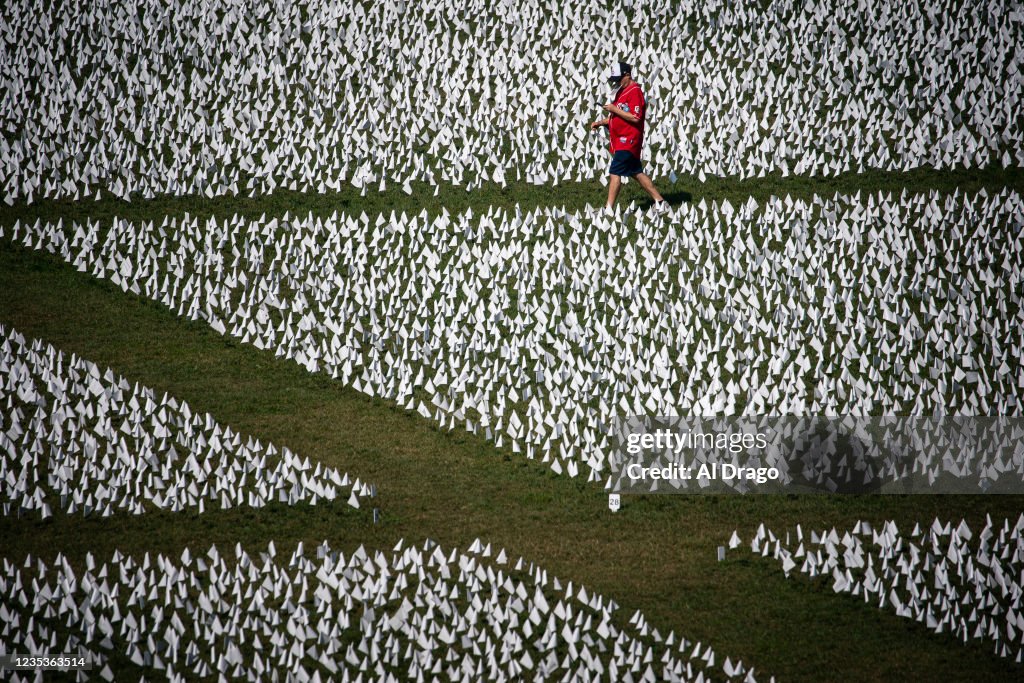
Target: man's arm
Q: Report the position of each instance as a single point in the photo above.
(628, 116)
(598, 124)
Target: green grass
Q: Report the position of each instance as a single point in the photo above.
(573, 196)
(656, 555)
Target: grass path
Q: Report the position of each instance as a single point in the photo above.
(570, 195)
(657, 554)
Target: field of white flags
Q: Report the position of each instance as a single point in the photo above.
(415, 613)
(384, 218)
(81, 439)
(246, 96)
(538, 328)
(949, 578)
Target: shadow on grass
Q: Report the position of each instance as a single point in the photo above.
(677, 197)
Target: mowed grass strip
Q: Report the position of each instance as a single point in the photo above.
(656, 555)
(572, 196)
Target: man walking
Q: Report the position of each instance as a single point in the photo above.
(626, 127)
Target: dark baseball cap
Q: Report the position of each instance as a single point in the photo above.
(617, 71)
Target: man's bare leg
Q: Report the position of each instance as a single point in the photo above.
(614, 183)
(648, 185)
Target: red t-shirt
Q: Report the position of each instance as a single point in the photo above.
(626, 135)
